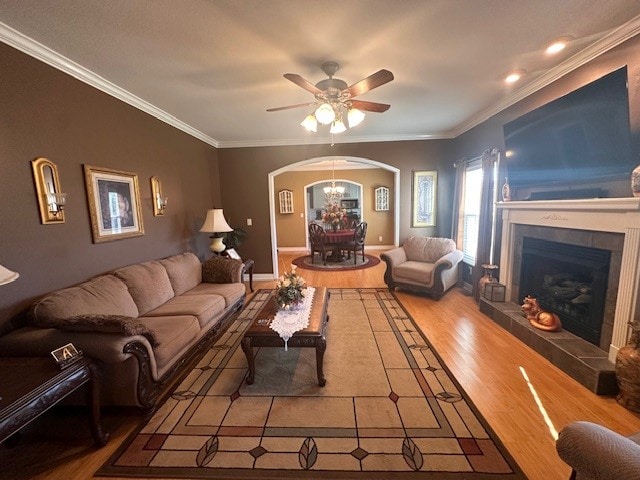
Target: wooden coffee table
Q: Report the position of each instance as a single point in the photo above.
(259, 334)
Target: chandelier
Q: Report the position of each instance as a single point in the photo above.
(331, 192)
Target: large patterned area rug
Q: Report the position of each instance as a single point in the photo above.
(390, 409)
(345, 264)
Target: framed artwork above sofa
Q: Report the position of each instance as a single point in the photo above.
(114, 203)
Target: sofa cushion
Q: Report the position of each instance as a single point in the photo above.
(428, 249)
(185, 271)
(103, 295)
(415, 271)
(148, 284)
(232, 292)
(174, 335)
(204, 307)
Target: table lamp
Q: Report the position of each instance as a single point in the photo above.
(7, 276)
(216, 224)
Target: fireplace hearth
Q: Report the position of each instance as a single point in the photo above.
(601, 223)
(569, 280)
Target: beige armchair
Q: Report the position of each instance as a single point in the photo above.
(423, 264)
(597, 453)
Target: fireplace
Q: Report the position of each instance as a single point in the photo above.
(603, 223)
(569, 280)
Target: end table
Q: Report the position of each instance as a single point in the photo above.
(248, 268)
(29, 386)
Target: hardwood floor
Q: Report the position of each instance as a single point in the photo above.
(513, 387)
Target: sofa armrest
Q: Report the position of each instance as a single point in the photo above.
(394, 257)
(594, 452)
(39, 342)
(220, 269)
(450, 260)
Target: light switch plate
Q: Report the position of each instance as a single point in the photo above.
(249, 222)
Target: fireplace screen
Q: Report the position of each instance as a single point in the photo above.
(568, 280)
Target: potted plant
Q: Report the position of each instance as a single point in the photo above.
(234, 238)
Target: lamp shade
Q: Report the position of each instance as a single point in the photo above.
(215, 222)
(337, 126)
(7, 276)
(355, 117)
(325, 114)
(310, 123)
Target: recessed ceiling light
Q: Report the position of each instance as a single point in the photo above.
(514, 76)
(557, 45)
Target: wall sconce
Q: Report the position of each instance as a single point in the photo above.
(159, 200)
(56, 202)
(51, 200)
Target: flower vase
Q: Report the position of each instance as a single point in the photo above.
(506, 190)
(334, 227)
(628, 372)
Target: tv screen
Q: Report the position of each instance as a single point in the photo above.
(581, 137)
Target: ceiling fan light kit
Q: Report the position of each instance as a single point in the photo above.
(334, 97)
(310, 123)
(325, 114)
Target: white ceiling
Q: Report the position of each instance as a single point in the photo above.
(212, 68)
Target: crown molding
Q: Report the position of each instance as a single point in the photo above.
(612, 39)
(336, 139)
(43, 53)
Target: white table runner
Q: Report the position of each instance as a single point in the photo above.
(288, 322)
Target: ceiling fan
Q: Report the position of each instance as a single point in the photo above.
(333, 97)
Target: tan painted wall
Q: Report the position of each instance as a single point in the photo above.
(291, 228)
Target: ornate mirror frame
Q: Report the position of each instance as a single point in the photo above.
(49, 191)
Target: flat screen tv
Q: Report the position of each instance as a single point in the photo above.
(579, 138)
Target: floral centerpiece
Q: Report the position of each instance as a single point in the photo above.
(291, 289)
(334, 215)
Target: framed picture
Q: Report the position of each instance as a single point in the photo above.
(232, 253)
(423, 198)
(114, 204)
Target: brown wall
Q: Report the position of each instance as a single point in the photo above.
(48, 113)
(245, 189)
(291, 228)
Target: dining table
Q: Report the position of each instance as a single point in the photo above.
(338, 237)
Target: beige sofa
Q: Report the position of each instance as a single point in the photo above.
(423, 264)
(143, 322)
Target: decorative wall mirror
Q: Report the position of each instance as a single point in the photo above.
(51, 200)
(158, 198)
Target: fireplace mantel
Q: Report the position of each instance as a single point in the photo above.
(619, 215)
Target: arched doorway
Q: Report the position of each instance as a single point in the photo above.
(297, 165)
(351, 201)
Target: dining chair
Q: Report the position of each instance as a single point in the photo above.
(318, 242)
(357, 242)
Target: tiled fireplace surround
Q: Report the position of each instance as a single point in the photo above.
(608, 223)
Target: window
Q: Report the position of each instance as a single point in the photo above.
(471, 211)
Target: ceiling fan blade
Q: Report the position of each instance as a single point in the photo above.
(372, 81)
(370, 106)
(277, 109)
(301, 82)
